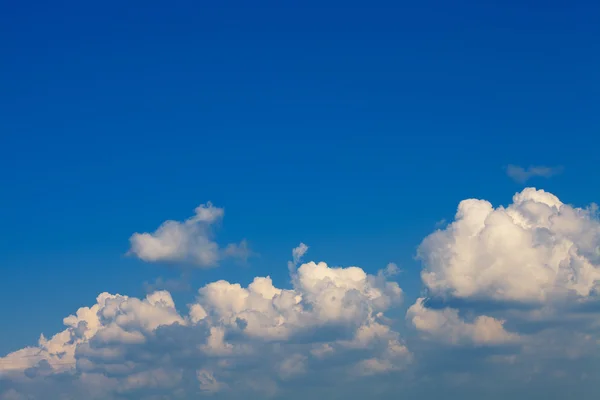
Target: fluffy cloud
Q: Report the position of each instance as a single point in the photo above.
(113, 319)
(521, 279)
(322, 297)
(233, 340)
(446, 326)
(510, 300)
(522, 175)
(190, 241)
(536, 249)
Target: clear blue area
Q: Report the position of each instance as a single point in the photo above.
(351, 126)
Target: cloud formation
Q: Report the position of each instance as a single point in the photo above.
(509, 306)
(522, 278)
(446, 326)
(233, 340)
(535, 250)
(522, 175)
(297, 254)
(190, 241)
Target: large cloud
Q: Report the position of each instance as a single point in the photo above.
(232, 341)
(536, 249)
(510, 302)
(190, 241)
(509, 309)
(521, 279)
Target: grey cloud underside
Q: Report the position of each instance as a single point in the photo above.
(510, 308)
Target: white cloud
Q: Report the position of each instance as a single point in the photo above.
(321, 295)
(522, 175)
(146, 347)
(446, 326)
(190, 241)
(511, 294)
(534, 250)
(114, 319)
(524, 277)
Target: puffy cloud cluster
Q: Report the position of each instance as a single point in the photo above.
(533, 266)
(325, 302)
(511, 306)
(509, 292)
(232, 340)
(534, 250)
(95, 340)
(190, 241)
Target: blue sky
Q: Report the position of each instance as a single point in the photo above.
(353, 128)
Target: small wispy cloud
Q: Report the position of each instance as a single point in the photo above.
(522, 175)
(171, 285)
(297, 254)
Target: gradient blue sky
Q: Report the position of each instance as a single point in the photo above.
(349, 127)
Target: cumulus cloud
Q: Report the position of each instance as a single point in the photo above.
(522, 277)
(322, 296)
(534, 250)
(510, 299)
(522, 175)
(233, 340)
(190, 241)
(447, 326)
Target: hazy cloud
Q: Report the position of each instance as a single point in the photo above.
(297, 254)
(170, 285)
(522, 175)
